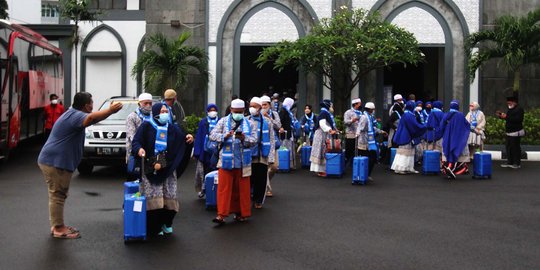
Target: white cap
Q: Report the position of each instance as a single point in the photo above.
(275, 95)
(145, 96)
(370, 105)
(256, 100)
(238, 104)
(356, 100)
(265, 99)
(398, 96)
(288, 102)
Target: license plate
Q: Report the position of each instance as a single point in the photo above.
(106, 151)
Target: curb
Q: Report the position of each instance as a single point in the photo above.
(527, 155)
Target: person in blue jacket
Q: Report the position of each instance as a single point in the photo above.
(455, 129)
(408, 129)
(204, 149)
(433, 134)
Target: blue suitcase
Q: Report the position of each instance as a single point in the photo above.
(334, 164)
(284, 159)
(431, 162)
(360, 170)
(210, 189)
(134, 217)
(392, 155)
(131, 187)
(482, 165)
(305, 152)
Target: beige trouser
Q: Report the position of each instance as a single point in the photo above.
(58, 184)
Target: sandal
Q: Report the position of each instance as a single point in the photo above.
(258, 206)
(219, 220)
(67, 235)
(269, 194)
(321, 174)
(70, 229)
(240, 219)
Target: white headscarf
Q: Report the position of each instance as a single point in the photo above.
(287, 103)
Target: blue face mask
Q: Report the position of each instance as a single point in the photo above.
(238, 116)
(163, 118)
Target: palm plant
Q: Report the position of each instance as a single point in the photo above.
(3, 9)
(167, 63)
(515, 40)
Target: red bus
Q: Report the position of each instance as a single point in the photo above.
(30, 70)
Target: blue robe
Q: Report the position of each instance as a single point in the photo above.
(455, 129)
(409, 128)
(433, 132)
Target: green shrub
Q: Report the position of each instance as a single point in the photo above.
(339, 123)
(191, 124)
(495, 129)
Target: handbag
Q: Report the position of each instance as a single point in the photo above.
(333, 144)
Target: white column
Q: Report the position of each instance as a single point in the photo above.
(212, 52)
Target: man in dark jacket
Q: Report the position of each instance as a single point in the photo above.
(514, 132)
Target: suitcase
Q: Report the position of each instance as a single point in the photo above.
(305, 152)
(482, 165)
(210, 188)
(134, 217)
(334, 164)
(284, 159)
(131, 187)
(360, 170)
(393, 152)
(431, 162)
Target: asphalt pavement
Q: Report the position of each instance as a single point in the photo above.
(398, 222)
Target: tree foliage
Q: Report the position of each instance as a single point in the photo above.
(345, 48)
(3, 9)
(167, 63)
(514, 40)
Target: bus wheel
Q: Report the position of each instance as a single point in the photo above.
(85, 168)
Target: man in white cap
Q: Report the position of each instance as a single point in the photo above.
(288, 123)
(134, 120)
(350, 120)
(395, 113)
(237, 135)
(366, 132)
(262, 153)
(276, 125)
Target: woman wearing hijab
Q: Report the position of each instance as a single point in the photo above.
(408, 130)
(288, 121)
(433, 134)
(324, 125)
(308, 123)
(204, 148)
(478, 123)
(455, 129)
(162, 145)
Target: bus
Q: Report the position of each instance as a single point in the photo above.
(31, 69)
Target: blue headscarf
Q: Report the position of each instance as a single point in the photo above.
(437, 104)
(455, 129)
(326, 103)
(408, 128)
(201, 137)
(211, 106)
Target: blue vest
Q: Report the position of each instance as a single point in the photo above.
(264, 137)
(234, 155)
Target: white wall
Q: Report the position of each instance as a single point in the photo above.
(104, 81)
(24, 11)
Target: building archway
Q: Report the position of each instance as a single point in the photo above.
(111, 62)
(229, 32)
(455, 30)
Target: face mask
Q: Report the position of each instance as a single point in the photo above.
(146, 110)
(511, 107)
(54, 101)
(264, 110)
(212, 114)
(163, 118)
(400, 101)
(237, 116)
(253, 111)
(418, 109)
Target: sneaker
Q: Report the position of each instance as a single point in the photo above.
(506, 165)
(515, 166)
(415, 172)
(370, 179)
(166, 230)
(400, 172)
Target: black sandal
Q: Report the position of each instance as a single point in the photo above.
(219, 220)
(240, 218)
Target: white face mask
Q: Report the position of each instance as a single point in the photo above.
(264, 110)
(54, 101)
(212, 114)
(253, 111)
(511, 107)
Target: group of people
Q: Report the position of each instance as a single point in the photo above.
(242, 145)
